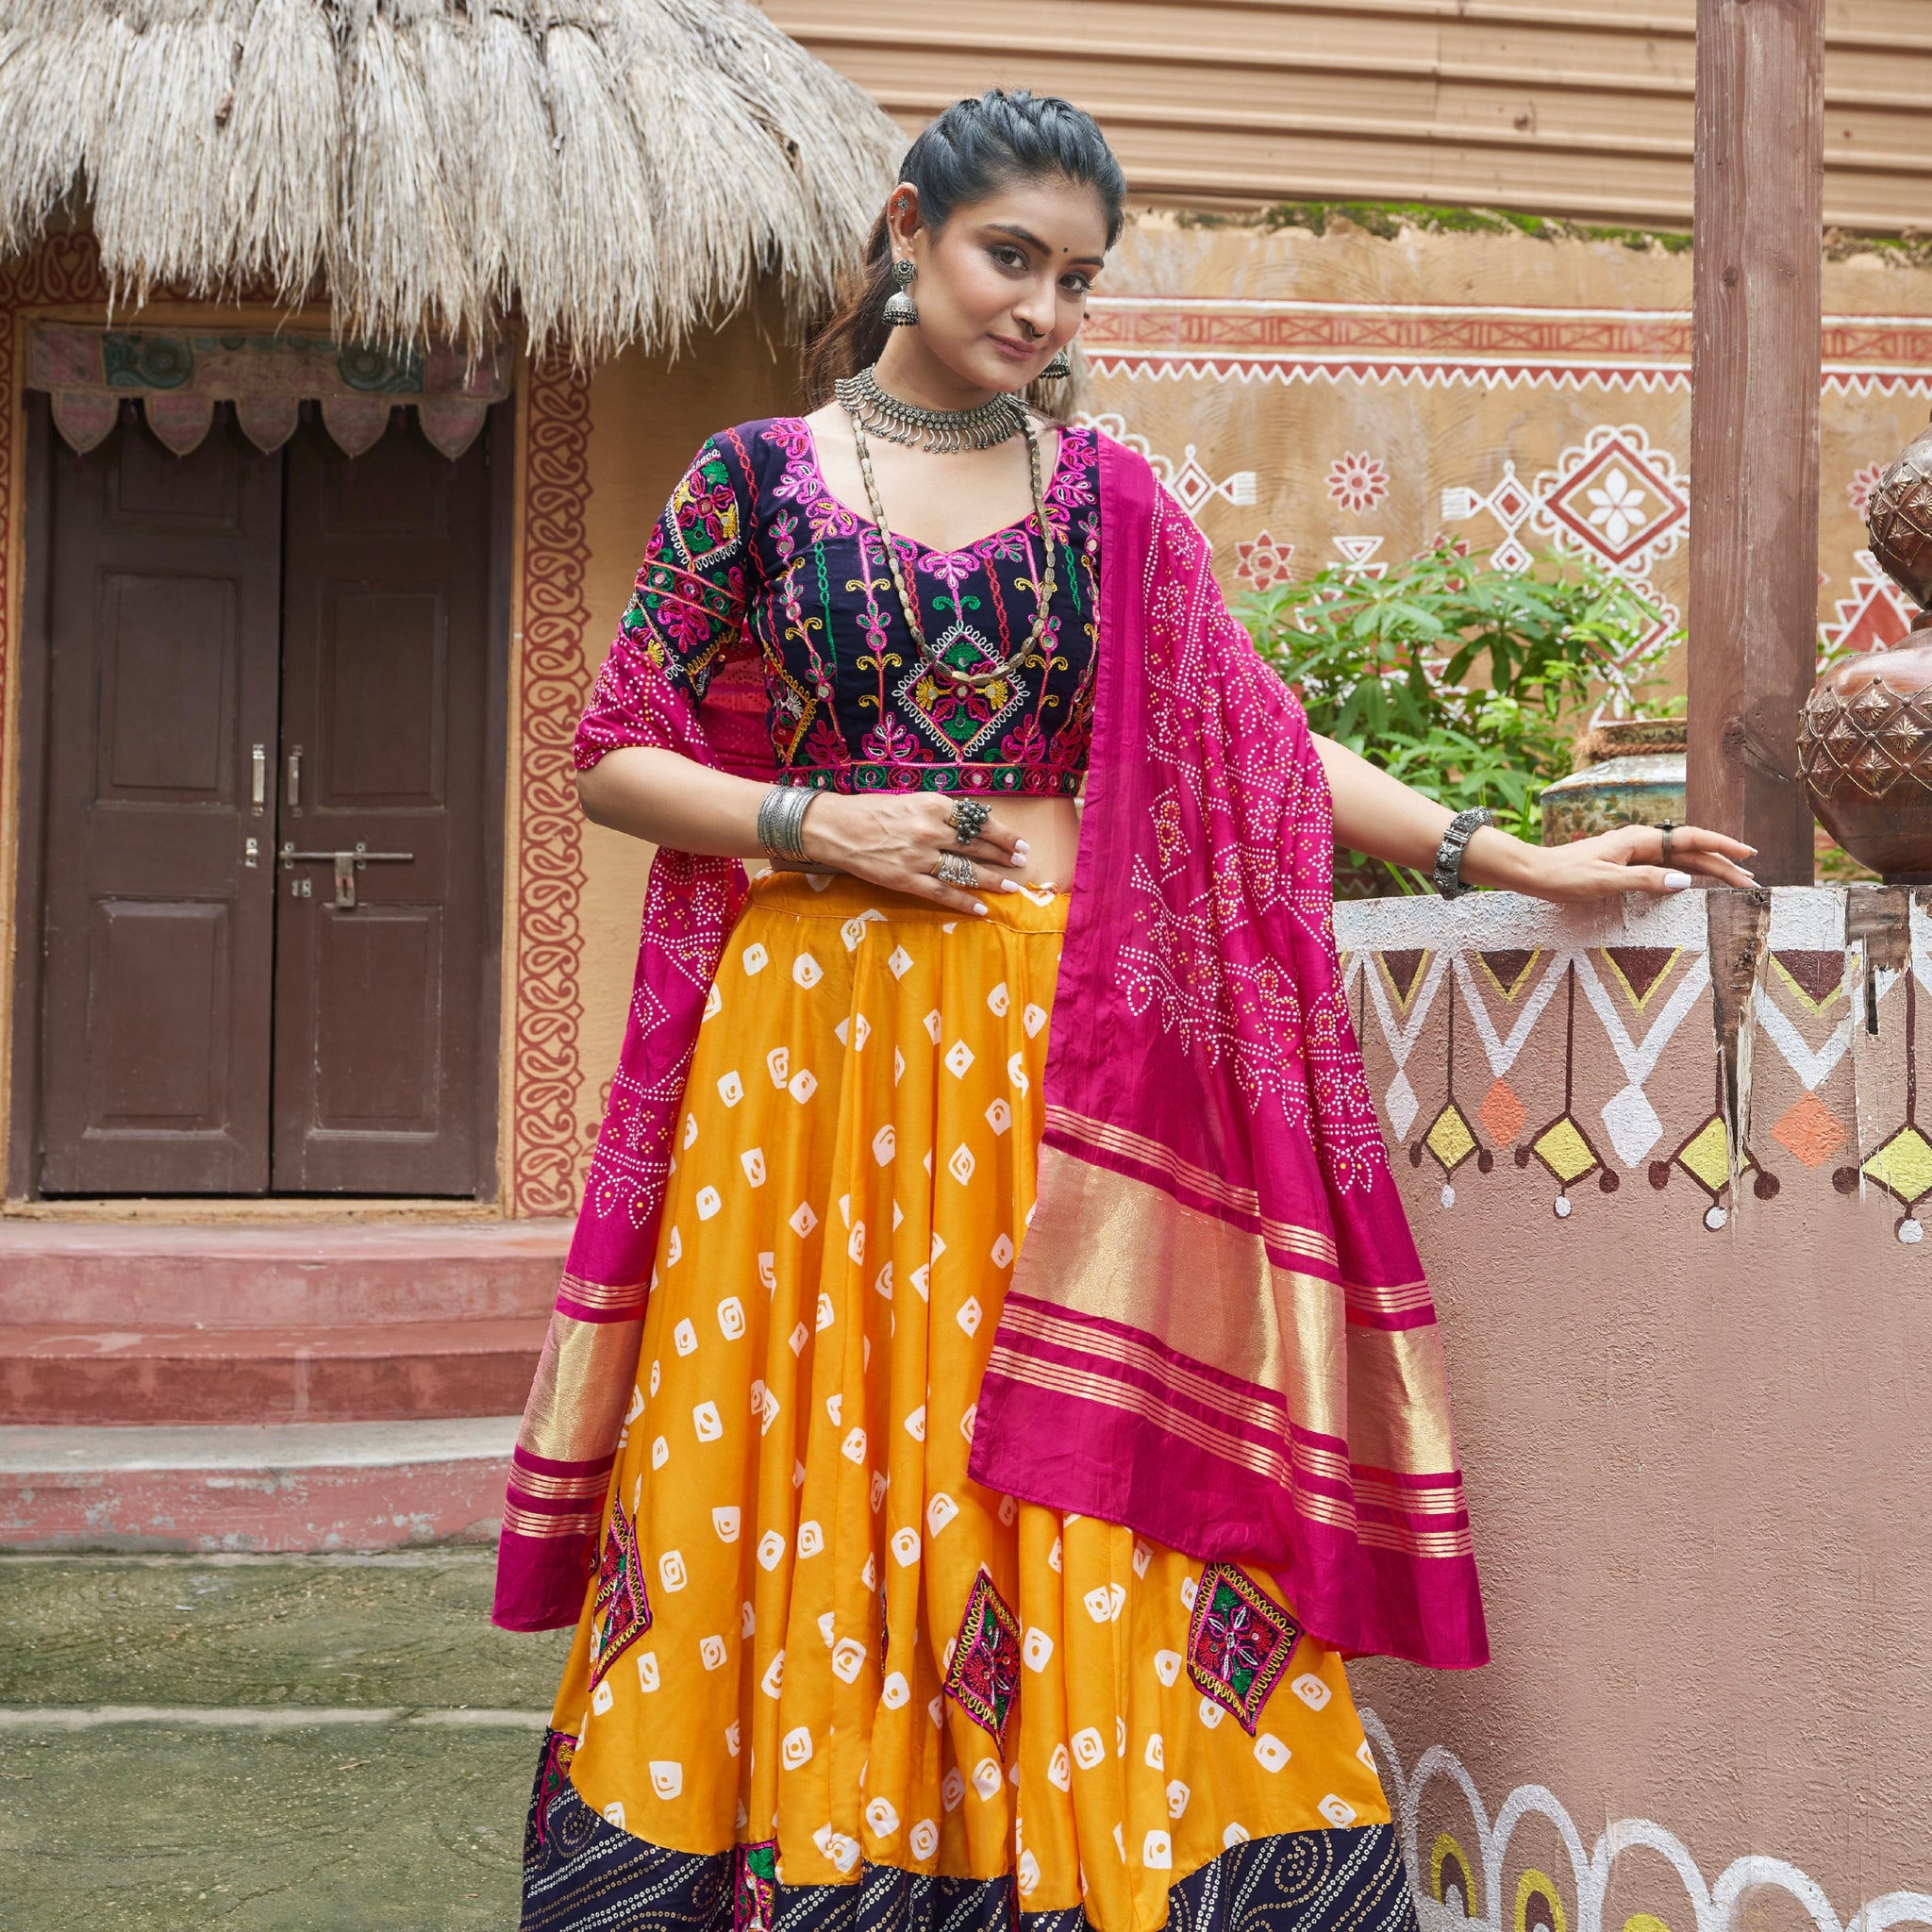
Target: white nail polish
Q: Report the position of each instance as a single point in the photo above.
(1021, 847)
(1010, 885)
(1677, 881)
(979, 907)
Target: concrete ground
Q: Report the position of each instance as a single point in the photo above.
(267, 1745)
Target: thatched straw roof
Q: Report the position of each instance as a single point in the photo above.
(611, 170)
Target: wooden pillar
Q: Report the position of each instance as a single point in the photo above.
(1758, 243)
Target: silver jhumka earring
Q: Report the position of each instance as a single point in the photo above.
(1058, 369)
(901, 310)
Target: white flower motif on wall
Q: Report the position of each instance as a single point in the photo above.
(1616, 496)
(1616, 507)
(1264, 562)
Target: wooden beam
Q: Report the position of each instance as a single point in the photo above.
(1758, 230)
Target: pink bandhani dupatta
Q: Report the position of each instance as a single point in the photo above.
(1218, 1332)
(561, 1467)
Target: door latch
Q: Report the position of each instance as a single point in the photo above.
(347, 864)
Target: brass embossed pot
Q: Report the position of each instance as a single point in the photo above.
(1865, 737)
(1630, 773)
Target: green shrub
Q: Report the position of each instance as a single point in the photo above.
(1463, 681)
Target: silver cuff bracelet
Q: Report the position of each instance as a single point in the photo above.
(1463, 828)
(781, 820)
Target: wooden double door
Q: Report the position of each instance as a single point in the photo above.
(264, 904)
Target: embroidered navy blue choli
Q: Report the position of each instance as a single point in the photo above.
(754, 556)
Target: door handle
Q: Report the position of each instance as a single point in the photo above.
(347, 864)
(258, 778)
(295, 779)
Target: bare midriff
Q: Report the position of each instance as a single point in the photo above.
(1051, 827)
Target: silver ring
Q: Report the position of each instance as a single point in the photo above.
(953, 871)
(1666, 827)
(968, 819)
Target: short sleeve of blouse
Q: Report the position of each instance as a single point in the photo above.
(687, 608)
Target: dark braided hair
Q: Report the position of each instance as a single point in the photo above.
(976, 146)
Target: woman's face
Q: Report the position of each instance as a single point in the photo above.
(1003, 285)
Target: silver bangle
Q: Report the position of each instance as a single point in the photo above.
(781, 820)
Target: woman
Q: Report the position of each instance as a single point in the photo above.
(966, 1459)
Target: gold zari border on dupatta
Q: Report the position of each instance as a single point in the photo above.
(1127, 1254)
(576, 1523)
(1281, 1234)
(582, 1388)
(615, 1304)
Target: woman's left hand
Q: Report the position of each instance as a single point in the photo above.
(1631, 859)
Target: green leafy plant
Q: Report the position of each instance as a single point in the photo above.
(1463, 681)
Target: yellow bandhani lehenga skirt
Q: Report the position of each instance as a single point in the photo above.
(822, 1677)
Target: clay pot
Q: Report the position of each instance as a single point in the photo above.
(1865, 743)
(1898, 519)
(1865, 736)
(1632, 775)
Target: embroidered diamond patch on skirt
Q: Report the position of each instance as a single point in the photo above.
(754, 1886)
(622, 1612)
(985, 1672)
(1238, 1642)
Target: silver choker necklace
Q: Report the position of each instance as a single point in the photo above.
(944, 432)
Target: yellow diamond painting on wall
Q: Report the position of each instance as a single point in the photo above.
(1708, 1157)
(1562, 1146)
(1563, 1149)
(1902, 1161)
(1450, 1137)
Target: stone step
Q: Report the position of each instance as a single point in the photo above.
(139, 1274)
(297, 1487)
(368, 1373)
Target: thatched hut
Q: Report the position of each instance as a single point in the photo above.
(346, 349)
(606, 171)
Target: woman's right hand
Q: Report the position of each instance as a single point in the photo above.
(896, 839)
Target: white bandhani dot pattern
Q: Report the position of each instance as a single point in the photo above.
(797, 1471)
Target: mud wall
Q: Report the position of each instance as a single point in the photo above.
(1665, 1171)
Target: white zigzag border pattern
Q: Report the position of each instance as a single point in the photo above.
(1715, 1904)
(1204, 364)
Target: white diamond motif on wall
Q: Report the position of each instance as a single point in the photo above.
(1188, 480)
(1616, 496)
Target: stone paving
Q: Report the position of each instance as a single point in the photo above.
(268, 1745)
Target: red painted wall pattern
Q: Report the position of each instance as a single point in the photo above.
(546, 1144)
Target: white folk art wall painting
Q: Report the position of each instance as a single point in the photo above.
(1467, 1880)
(1591, 1061)
(1314, 432)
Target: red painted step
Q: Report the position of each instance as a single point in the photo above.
(371, 1372)
(135, 1325)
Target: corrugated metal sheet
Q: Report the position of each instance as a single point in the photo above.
(1579, 110)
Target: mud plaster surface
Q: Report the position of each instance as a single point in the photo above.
(1694, 1456)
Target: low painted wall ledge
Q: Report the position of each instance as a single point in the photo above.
(1717, 1046)
(1669, 1174)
